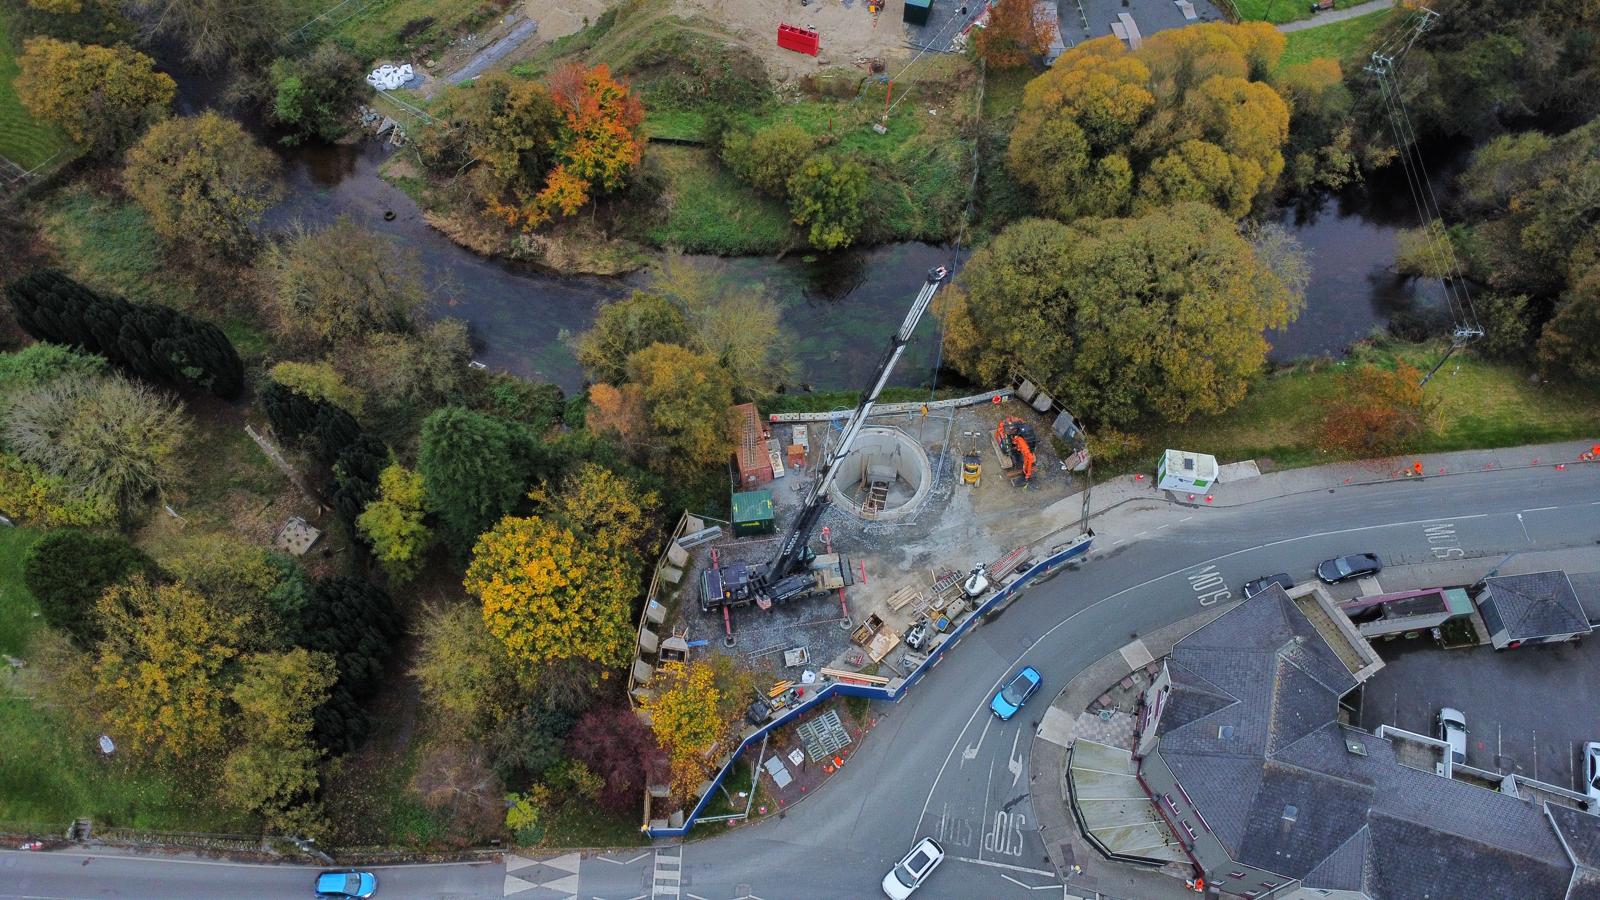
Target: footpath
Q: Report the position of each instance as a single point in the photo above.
(1336, 15)
(1085, 871)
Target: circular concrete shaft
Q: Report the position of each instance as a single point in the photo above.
(886, 475)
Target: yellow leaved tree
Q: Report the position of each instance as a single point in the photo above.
(687, 721)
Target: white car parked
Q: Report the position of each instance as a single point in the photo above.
(1591, 772)
(914, 869)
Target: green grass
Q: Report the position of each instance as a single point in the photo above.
(679, 124)
(1480, 404)
(383, 28)
(1281, 11)
(17, 608)
(23, 140)
(109, 245)
(582, 825)
(711, 211)
(1338, 40)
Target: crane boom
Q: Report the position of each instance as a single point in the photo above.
(793, 548)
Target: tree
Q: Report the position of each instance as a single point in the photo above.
(152, 341)
(610, 508)
(462, 670)
(624, 327)
(273, 772)
(619, 413)
(407, 372)
(319, 380)
(1185, 117)
(825, 197)
(686, 396)
(41, 363)
(526, 746)
(393, 523)
(737, 323)
(68, 569)
(474, 469)
(102, 97)
(1377, 412)
(108, 437)
(765, 158)
(1425, 252)
(687, 721)
(614, 743)
(159, 672)
(1570, 342)
(1164, 314)
(268, 587)
(355, 623)
(33, 495)
(315, 95)
(550, 593)
(203, 180)
(213, 31)
(601, 138)
(1015, 35)
(344, 283)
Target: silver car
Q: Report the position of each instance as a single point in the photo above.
(913, 870)
(1453, 731)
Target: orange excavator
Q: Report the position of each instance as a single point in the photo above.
(1016, 440)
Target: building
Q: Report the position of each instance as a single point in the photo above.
(1407, 613)
(750, 446)
(753, 513)
(1540, 608)
(1244, 764)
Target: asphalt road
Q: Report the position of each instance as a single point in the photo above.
(938, 763)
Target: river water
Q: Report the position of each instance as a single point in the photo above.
(841, 308)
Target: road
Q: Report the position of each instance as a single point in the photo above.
(938, 764)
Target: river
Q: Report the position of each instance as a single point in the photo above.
(839, 308)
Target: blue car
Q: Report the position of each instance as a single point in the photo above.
(1011, 697)
(346, 884)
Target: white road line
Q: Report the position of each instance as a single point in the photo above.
(618, 862)
(1028, 887)
(1168, 525)
(1185, 518)
(972, 751)
(1006, 866)
(1118, 541)
(1541, 509)
(1146, 583)
(1015, 762)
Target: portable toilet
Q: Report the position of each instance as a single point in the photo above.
(1181, 470)
(916, 12)
(752, 513)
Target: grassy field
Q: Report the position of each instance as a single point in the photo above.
(1338, 40)
(109, 245)
(17, 619)
(710, 211)
(382, 28)
(1480, 404)
(22, 140)
(1281, 11)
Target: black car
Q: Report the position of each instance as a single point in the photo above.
(1256, 586)
(1341, 568)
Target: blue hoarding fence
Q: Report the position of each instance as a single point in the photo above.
(1077, 547)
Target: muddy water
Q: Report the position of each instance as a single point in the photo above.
(839, 308)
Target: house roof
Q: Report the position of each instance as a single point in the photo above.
(1250, 730)
(1541, 604)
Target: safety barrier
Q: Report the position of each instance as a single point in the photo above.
(1074, 548)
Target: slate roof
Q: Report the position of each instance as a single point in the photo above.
(1538, 605)
(1251, 729)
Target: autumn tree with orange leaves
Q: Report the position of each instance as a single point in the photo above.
(1015, 34)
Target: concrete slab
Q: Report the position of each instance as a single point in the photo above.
(1137, 655)
(1238, 471)
(1056, 727)
(1369, 586)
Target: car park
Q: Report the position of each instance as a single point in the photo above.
(1356, 565)
(346, 884)
(910, 873)
(1016, 692)
(1453, 731)
(1257, 585)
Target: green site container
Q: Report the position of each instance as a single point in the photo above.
(752, 513)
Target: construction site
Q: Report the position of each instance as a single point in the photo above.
(861, 540)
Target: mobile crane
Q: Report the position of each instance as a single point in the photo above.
(786, 576)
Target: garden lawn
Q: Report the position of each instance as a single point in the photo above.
(23, 140)
(375, 29)
(1479, 405)
(711, 211)
(109, 245)
(1337, 40)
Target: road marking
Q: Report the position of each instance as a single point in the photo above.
(1208, 585)
(1443, 541)
(515, 885)
(972, 751)
(617, 862)
(1185, 518)
(1143, 584)
(1524, 528)
(1117, 541)
(1158, 528)
(1007, 866)
(668, 875)
(1028, 887)
(1005, 838)
(1541, 509)
(1015, 763)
